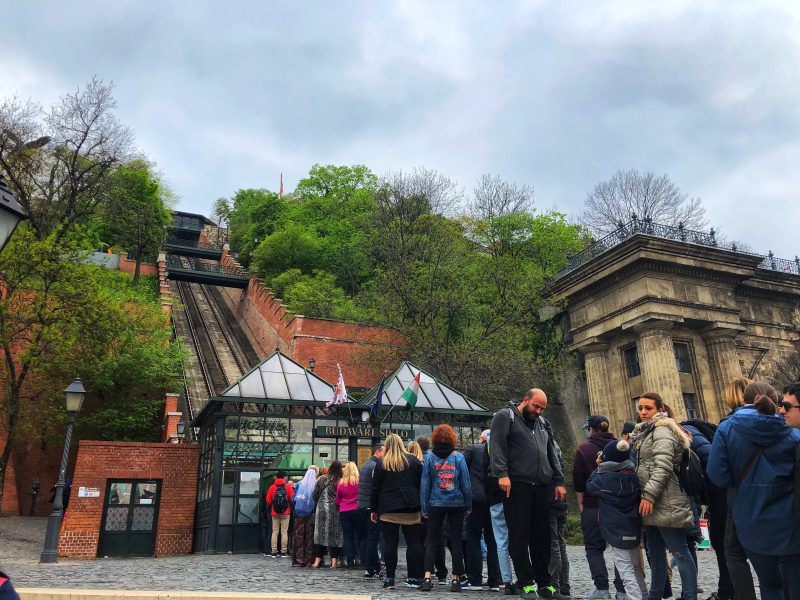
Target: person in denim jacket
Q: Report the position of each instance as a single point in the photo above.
(445, 493)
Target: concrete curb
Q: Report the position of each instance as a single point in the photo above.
(78, 594)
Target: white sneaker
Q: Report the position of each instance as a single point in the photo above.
(599, 595)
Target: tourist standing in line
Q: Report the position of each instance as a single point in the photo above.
(327, 525)
(303, 534)
(7, 591)
(559, 561)
(666, 510)
(353, 528)
(369, 549)
(279, 500)
(754, 454)
(615, 484)
(441, 558)
(735, 557)
(789, 407)
(479, 521)
(395, 501)
(525, 462)
(495, 496)
(445, 493)
(415, 449)
(597, 429)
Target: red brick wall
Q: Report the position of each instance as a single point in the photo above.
(174, 464)
(10, 505)
(129, 266)
(363, 351)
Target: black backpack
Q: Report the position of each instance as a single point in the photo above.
(280, 500)
(691, 478)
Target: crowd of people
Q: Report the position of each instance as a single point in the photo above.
(502, 502)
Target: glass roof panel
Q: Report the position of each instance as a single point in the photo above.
(321, 390)
(435, 396)
(276, 385)
(251, 386)
(234, 391)
(394, 390)
(289, 366)
(299, 387)
(457, 400)
(272, 364)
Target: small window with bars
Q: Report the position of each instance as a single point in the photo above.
(683, 357)
(632, 361)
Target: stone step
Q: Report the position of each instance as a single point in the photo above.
(78, 594)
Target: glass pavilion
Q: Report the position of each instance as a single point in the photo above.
(275, 418)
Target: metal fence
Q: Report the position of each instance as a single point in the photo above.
(700, 238)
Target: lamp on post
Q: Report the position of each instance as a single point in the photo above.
(11, 213)
(74, 395)
(181, 429)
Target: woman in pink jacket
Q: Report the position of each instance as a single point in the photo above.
(353, 525)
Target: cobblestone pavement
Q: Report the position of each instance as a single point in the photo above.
(21, 544)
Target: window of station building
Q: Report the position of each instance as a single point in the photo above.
(690, 404)
(683, 357)
(632, 361)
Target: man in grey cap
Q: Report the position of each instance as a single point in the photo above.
(596, 427)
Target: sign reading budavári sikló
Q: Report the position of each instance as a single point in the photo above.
(325, 431)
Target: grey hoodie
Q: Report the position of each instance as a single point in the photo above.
(523, 451)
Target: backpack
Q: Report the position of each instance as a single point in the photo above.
(280, 500)
(691, 478)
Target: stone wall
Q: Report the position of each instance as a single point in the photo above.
(175, 465)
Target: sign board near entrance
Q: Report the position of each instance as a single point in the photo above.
(88, 492)
(325, 431)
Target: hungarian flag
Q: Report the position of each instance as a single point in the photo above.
(340, 392)
(376, 405)
(412, 391)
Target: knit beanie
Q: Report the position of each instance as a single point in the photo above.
(617, 451)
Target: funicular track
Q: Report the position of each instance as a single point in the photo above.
(219, 358)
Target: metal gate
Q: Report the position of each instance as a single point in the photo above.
(130, 517)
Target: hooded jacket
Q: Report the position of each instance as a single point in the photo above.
(659, 447)
(585, 464)
(762, 505)
(365, 482)
(523, 450)
(271, 494)
(445, 480)
(615, 486)
(396, 491)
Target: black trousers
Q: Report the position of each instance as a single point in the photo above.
(440, 562)
(479, 522)
(433, 541)
(738, 567)
(369, 556)
(391, 539)
(527, 512)
(718, 518)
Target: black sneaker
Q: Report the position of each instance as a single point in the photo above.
(411, 582)
(368, 575)
(494, 587)
(455, 585)
(547, 592)
(426, 585)
(274, 555)
(528, 592)
(443, 580)
(388, 583)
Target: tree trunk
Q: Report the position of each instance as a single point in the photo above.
(13, 403)
(138, 271)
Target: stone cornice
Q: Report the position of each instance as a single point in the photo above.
(784, 326)
(657, 300)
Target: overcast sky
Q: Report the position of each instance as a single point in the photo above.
(557, 95)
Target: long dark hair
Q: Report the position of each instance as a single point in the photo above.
(763, 396)
(335, 471)
(660, 404)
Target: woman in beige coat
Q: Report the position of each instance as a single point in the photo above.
(666, 511)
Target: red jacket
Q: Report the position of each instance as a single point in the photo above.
(271, 494)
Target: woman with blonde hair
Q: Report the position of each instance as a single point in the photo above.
(734, 393)
(415, 449)
(353, 526)
(394, 499)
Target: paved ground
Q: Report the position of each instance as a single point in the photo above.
(21, 543)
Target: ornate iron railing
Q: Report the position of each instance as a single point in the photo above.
(187, 264)
(646, 226)
(199, 244)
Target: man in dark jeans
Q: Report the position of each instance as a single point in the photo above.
(479, 522)
(369, 546)
(525, 462)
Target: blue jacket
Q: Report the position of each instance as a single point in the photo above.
(762, 505)
(617, 486)
(445, 480)
(700, 445)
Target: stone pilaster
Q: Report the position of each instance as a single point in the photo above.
(657, 360)
(601, 397)
(723, 363)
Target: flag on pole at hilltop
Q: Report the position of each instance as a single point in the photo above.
(281, 192)
(340, 392)
(412, 391)
(376, 405)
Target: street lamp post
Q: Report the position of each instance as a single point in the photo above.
(74, 394)
(11, 213)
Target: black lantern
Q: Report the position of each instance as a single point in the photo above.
(73, 395)
(181, 427)
(311, 364)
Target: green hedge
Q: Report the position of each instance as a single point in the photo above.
(573, 534)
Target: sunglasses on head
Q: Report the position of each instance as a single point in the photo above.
(787, 406)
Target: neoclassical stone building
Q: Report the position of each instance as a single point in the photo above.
(654, 308)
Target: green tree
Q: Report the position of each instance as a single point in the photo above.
(295, 246)
(136, 215)
(254, 215)
(59, 317)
